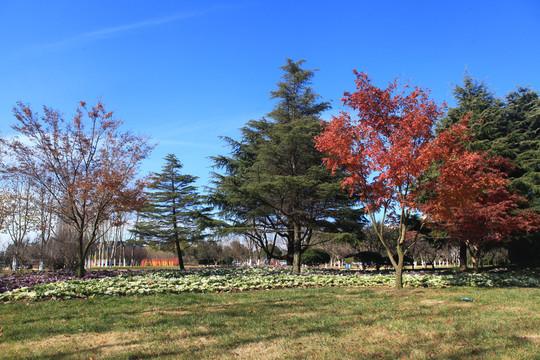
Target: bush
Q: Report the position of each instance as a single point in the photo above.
(315, 257)
(369, 258)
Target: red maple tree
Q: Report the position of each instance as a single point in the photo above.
(380, 149)
(469, 199)
(390, 154)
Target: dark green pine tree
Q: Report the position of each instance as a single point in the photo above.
(274, 182)
(509, 128)
(476, 100)
(174, 214)
(522, 146)
(522, 143)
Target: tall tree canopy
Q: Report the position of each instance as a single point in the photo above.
(508, 128)
(468, 198)
(273, 184)
(88, 165)
(380, 145)
(174, 213)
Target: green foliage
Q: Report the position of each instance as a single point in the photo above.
(174, 214)
(508, 128)
(273, 183)
(522, 143)
(475, 99)
(315, 257)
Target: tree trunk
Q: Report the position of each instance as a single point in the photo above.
(476, 255)
(399, 267)
(179, 254)
(296, 262)
(100, 254)
(42, 256)
(81, 271)
(476, 265)
(399, 277)
(290, 249)
(297, 250)
(268, 254)
(462, 256)
(15, 264)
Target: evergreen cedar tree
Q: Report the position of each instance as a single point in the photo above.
(388, 149)
(173, 214)
(273, 185)
(469, 198)
(509, 128)
(87, 165)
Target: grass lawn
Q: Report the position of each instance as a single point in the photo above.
(315, 323)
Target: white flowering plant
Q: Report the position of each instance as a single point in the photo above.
(255, 278)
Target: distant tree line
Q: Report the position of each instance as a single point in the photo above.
(433, 184)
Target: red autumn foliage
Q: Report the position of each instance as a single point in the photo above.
(469, 198)
(389, 152)
(380, 149)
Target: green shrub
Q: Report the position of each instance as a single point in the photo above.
(315, 257)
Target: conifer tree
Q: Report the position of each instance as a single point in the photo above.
(274, 185)
(507, 128)
(174, 212)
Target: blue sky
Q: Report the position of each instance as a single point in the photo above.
(187, 72)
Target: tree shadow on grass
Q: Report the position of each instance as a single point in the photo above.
(283, 319)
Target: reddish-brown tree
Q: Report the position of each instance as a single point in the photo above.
(88, 165)
(468, 198)
(380, 149)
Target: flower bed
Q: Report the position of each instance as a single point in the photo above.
(249, 278)
(18, 280)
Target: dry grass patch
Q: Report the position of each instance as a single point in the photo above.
(112, 344)
(305, 347)
(101, 345)
(431, 302)
(297, 315)
(532, 337)
(263, 350)
(170, 311)
(331, 323)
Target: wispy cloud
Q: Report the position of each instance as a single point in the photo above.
(113, 31)
(110, 32)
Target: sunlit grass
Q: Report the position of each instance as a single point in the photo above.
(318, 323)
